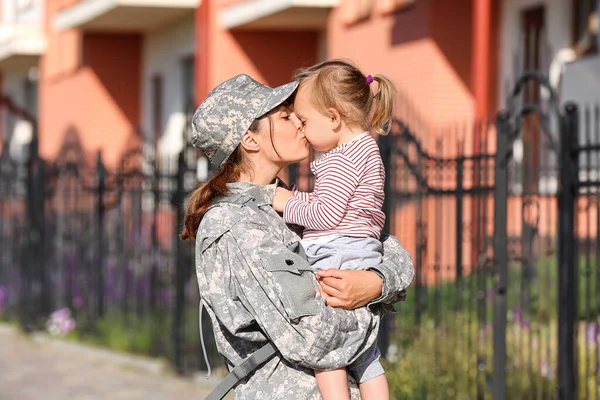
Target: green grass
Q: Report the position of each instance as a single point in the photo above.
(148, 334)
(535, 296)
(448, 355)
(454, 361)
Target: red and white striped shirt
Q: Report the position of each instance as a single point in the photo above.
(348, 194)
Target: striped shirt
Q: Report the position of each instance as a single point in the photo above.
(348, 193)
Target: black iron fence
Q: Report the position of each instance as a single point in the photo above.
(505, 242)
(501, 218)
(102, 243)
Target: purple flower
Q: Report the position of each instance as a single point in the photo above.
(60, 322)
(78, 302)
(592, 333)
(517, 314)
(67, 326)
(61, 314)
(3, 298)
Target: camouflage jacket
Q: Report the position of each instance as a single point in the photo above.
(256, 289)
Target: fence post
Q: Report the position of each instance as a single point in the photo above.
(421, 244)
(500, 255)
(459, 231)
(35, 306)
(45, 296)
(100, 209)
(292, 174)
(567, 268)
(386, 150)
(180, 267)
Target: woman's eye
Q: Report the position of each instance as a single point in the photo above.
(287, 117)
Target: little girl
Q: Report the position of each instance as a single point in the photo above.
(342, 218)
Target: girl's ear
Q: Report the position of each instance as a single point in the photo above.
(335, 118)
(250, 142)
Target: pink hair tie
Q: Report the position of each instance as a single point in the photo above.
(369, 79)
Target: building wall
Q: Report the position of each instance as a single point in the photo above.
(424, 49)
(163, 54)
(581, 82)
(558, 22)
(268, 56)
(89, 90)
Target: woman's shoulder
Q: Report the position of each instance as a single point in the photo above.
(223, 217)
(220, 217)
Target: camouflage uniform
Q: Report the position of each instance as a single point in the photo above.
(255, 287)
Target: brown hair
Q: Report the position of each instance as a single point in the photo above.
(201, 199)
(340, 85)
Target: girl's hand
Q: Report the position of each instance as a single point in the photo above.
(349, 289)
(281, 197)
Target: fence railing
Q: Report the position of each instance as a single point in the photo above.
(505, 301)
(102, 243)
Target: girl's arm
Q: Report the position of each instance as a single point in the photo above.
(326, 209)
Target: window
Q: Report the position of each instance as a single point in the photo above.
(157, 108)
(30, 90)
(187, 74)
(189, 105)
(586, 18)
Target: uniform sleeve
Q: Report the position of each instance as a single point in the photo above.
(278, 291)
(326, 208)
(396, 271)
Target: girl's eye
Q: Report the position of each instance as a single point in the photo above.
(287, 117)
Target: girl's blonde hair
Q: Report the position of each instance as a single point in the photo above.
(340, 85)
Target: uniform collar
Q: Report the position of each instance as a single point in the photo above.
(262, 195)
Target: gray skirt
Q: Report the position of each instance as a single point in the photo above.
(343, 252)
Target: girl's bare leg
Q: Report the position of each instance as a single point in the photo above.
(374, 389)
(333, 384)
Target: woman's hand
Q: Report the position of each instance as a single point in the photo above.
(349, 289)
(281, 197)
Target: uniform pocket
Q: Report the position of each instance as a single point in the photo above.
(295, 282)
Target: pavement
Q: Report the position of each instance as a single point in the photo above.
(40, 367)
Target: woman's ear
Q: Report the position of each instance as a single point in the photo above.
(335, 118)
(250, 142)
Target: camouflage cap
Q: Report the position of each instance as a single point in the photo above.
(223, 118)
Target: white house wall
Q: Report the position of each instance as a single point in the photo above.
(22, 11)
(558, 33)
(163, 53)
(581, 85)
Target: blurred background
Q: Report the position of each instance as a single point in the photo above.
(493, 174)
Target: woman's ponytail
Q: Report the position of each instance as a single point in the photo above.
(200, 200)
